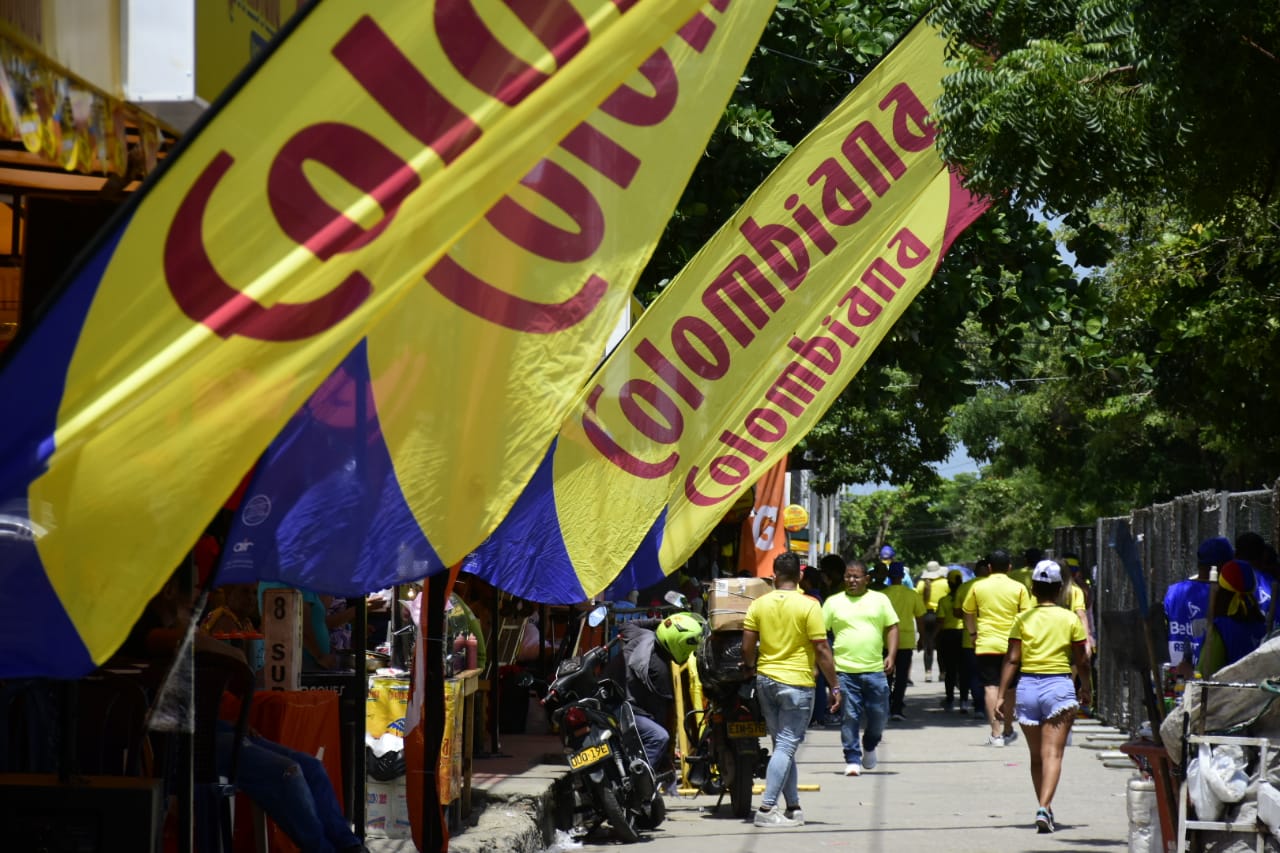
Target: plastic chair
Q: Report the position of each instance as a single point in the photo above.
(216, 675)
(111, 731)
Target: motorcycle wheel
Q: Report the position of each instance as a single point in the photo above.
(741, 777)
(656, 815)
(616, 815)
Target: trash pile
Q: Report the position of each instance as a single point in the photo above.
(1233, 776)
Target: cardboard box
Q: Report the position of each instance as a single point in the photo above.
(729, 599)
(386, 809)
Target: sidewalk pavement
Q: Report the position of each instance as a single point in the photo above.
(511, 800)
(936, 780)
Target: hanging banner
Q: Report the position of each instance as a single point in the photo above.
(747, 347)
(312, 203)
(763, 536)
(413, 450)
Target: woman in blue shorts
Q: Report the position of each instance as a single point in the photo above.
(1042, 642)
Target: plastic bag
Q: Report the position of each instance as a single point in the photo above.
(1205, 802)
(1227, 777)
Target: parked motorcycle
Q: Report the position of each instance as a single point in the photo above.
(729, 757)
(610, 775)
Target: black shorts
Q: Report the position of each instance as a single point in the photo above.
(989, 669)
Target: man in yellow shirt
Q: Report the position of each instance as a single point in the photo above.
(782, 638)
(910, 608)
(933, 588)
(989, 610)
(1030, 557)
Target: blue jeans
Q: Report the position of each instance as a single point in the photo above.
(655, 738)
(292, 788)
(865, 705)
(786, 710)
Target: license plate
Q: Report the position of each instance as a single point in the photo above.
(747, 729)
(589, 756)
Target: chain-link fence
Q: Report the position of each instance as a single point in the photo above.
(1167, 536)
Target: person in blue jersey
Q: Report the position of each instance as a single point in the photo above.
(1186, 606)
(1251, 547)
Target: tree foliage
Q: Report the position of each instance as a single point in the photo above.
(1153, 130)
(1067, 103)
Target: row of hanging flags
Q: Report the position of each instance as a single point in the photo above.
(390, 288)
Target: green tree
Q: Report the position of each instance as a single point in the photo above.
(1153, 130)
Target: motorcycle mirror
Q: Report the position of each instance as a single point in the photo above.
(596, 617)
(676, 599)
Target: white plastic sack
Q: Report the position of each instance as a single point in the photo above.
(1227, 777)
(1205, 802)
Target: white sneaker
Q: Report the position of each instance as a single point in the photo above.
(869, 759)
(796, 815)
(854, 769)
(773, 817)
(995, 740)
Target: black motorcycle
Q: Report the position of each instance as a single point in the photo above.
(610, 775)
(729, 757)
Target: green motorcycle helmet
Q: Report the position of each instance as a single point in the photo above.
(680, 634)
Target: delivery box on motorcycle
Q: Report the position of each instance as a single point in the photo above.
(729, 599)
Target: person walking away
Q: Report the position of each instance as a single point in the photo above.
(1073, 598)
(782, 638)
(1186, 606)
(1030, 558)
(1238, 622)
(933, 588)
(949, 640)
(989, 611)
(971, 682)
(1252, 548)
(1042, 643)
(910, 608)
(829, 577)
(865, 627)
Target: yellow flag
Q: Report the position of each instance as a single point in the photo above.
(316, 199)
(749, 345)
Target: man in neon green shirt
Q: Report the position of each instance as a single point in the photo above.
(989, 611)
(782, 638)
(910, 608)
(865, 626)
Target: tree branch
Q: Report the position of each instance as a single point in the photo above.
(1253, 44)
(1121, 69)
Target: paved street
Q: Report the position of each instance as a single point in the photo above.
(937, 787)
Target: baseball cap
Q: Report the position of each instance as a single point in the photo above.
(886, 552)
(1047, 571)
(1215, 552)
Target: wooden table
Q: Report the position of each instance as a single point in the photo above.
(470, 680)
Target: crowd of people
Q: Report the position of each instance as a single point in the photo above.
(833, 645)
